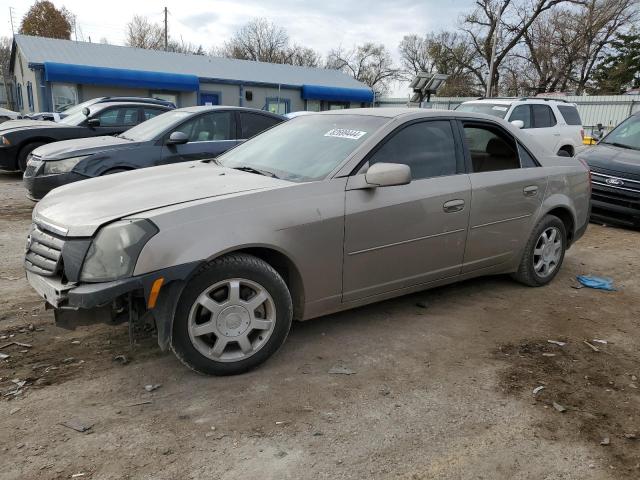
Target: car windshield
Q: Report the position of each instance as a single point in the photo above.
(71, 109)
(154, 127)
(625, 135)
(494, 109)
(304, 149)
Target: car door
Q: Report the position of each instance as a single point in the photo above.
(544, 126)
(406, 235)
(116, 120)
(508, 187)
(209, 134)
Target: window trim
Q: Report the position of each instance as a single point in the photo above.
(484, 124)
(460, 162)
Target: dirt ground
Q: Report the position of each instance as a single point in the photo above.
(440, 390)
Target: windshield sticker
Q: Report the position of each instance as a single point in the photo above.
(345, 133)
(502, 109)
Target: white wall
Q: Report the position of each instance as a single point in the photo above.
(23, 75)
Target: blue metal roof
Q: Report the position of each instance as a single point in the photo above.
(319, 92)
(120, 77)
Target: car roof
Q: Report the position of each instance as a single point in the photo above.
(407, 112)
(103, 105)
(511, 100)
(208, 108)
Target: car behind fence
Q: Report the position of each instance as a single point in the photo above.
(609, 110)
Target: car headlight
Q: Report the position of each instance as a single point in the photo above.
(62, 166)
(114, 251)
(4, 141)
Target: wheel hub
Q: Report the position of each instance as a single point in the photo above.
(233, 321)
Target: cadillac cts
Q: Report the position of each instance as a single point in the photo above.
(323, 213)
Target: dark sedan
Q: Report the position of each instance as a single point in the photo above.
(18, 138)
(615, 175)
(180, 135)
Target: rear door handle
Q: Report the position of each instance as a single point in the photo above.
(453, 206)
(530, 191)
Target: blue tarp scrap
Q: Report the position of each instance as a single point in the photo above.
(599, 283)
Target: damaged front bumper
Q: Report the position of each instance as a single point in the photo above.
(86, 303)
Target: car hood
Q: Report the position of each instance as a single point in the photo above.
(11, 125)
(612, 158)
(81, 208)
(82, 146)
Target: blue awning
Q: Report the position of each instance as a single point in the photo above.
(336, 94)
(119, 77)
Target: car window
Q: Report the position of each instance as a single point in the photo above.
(148, 113)
(627, 134)
(209, 127)
(570, 114)
(428, 148)
(116, 117)
(253, 123)
(522, 112)
(543, 116)
(490, 149)
(526, 160)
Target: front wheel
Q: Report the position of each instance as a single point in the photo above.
(233, 315)
(544, 253)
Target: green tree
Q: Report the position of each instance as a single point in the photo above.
(620, 69)
(44, 20)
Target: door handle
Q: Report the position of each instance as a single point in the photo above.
(453, 206)
(530, 191)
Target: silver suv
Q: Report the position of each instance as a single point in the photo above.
(555, 123)
(319, 214)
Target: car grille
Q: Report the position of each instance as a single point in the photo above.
(44, 252)
(33, 166)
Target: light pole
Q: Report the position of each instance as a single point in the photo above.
(492, 62)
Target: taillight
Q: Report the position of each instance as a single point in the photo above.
(582, 133)
(586, 165)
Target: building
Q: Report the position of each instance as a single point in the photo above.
(49, 74)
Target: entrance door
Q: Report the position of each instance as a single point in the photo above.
(209, 99)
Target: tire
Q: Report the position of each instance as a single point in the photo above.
(552, 257)
(567, 149)
(231, 336)
(24, 154)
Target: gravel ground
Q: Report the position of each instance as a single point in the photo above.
(441, 386)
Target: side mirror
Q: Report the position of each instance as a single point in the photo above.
(517, 123)
(93, 122)
(388, 174)
(177, 138)
(600, 127)
(86, 111)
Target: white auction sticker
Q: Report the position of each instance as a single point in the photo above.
(345, 133)
(502, 109)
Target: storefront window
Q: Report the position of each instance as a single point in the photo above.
(278, 105)
(64, 95)
(313, 105)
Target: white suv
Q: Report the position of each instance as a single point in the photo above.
(555, 123)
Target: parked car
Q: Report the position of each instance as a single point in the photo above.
(7, 115)
(18, 138)
(177, 136)
(71, 109)
(615, 174)
(319, 214)
(555, 123)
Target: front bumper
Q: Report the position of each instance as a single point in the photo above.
(38, 185)
(8, 158)
(76, 296)
(615, 206)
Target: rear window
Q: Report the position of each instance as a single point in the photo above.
(570, 114)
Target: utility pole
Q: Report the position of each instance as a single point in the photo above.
(493, 56)
(11, 17)
(166, 36)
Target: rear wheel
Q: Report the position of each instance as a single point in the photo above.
(544, 253)
(232, 316)
(23, 155)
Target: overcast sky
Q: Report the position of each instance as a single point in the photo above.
(322, 25)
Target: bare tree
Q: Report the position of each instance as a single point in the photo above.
(259, 40)
(142, 33)
(302, 56)
(369, 63)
